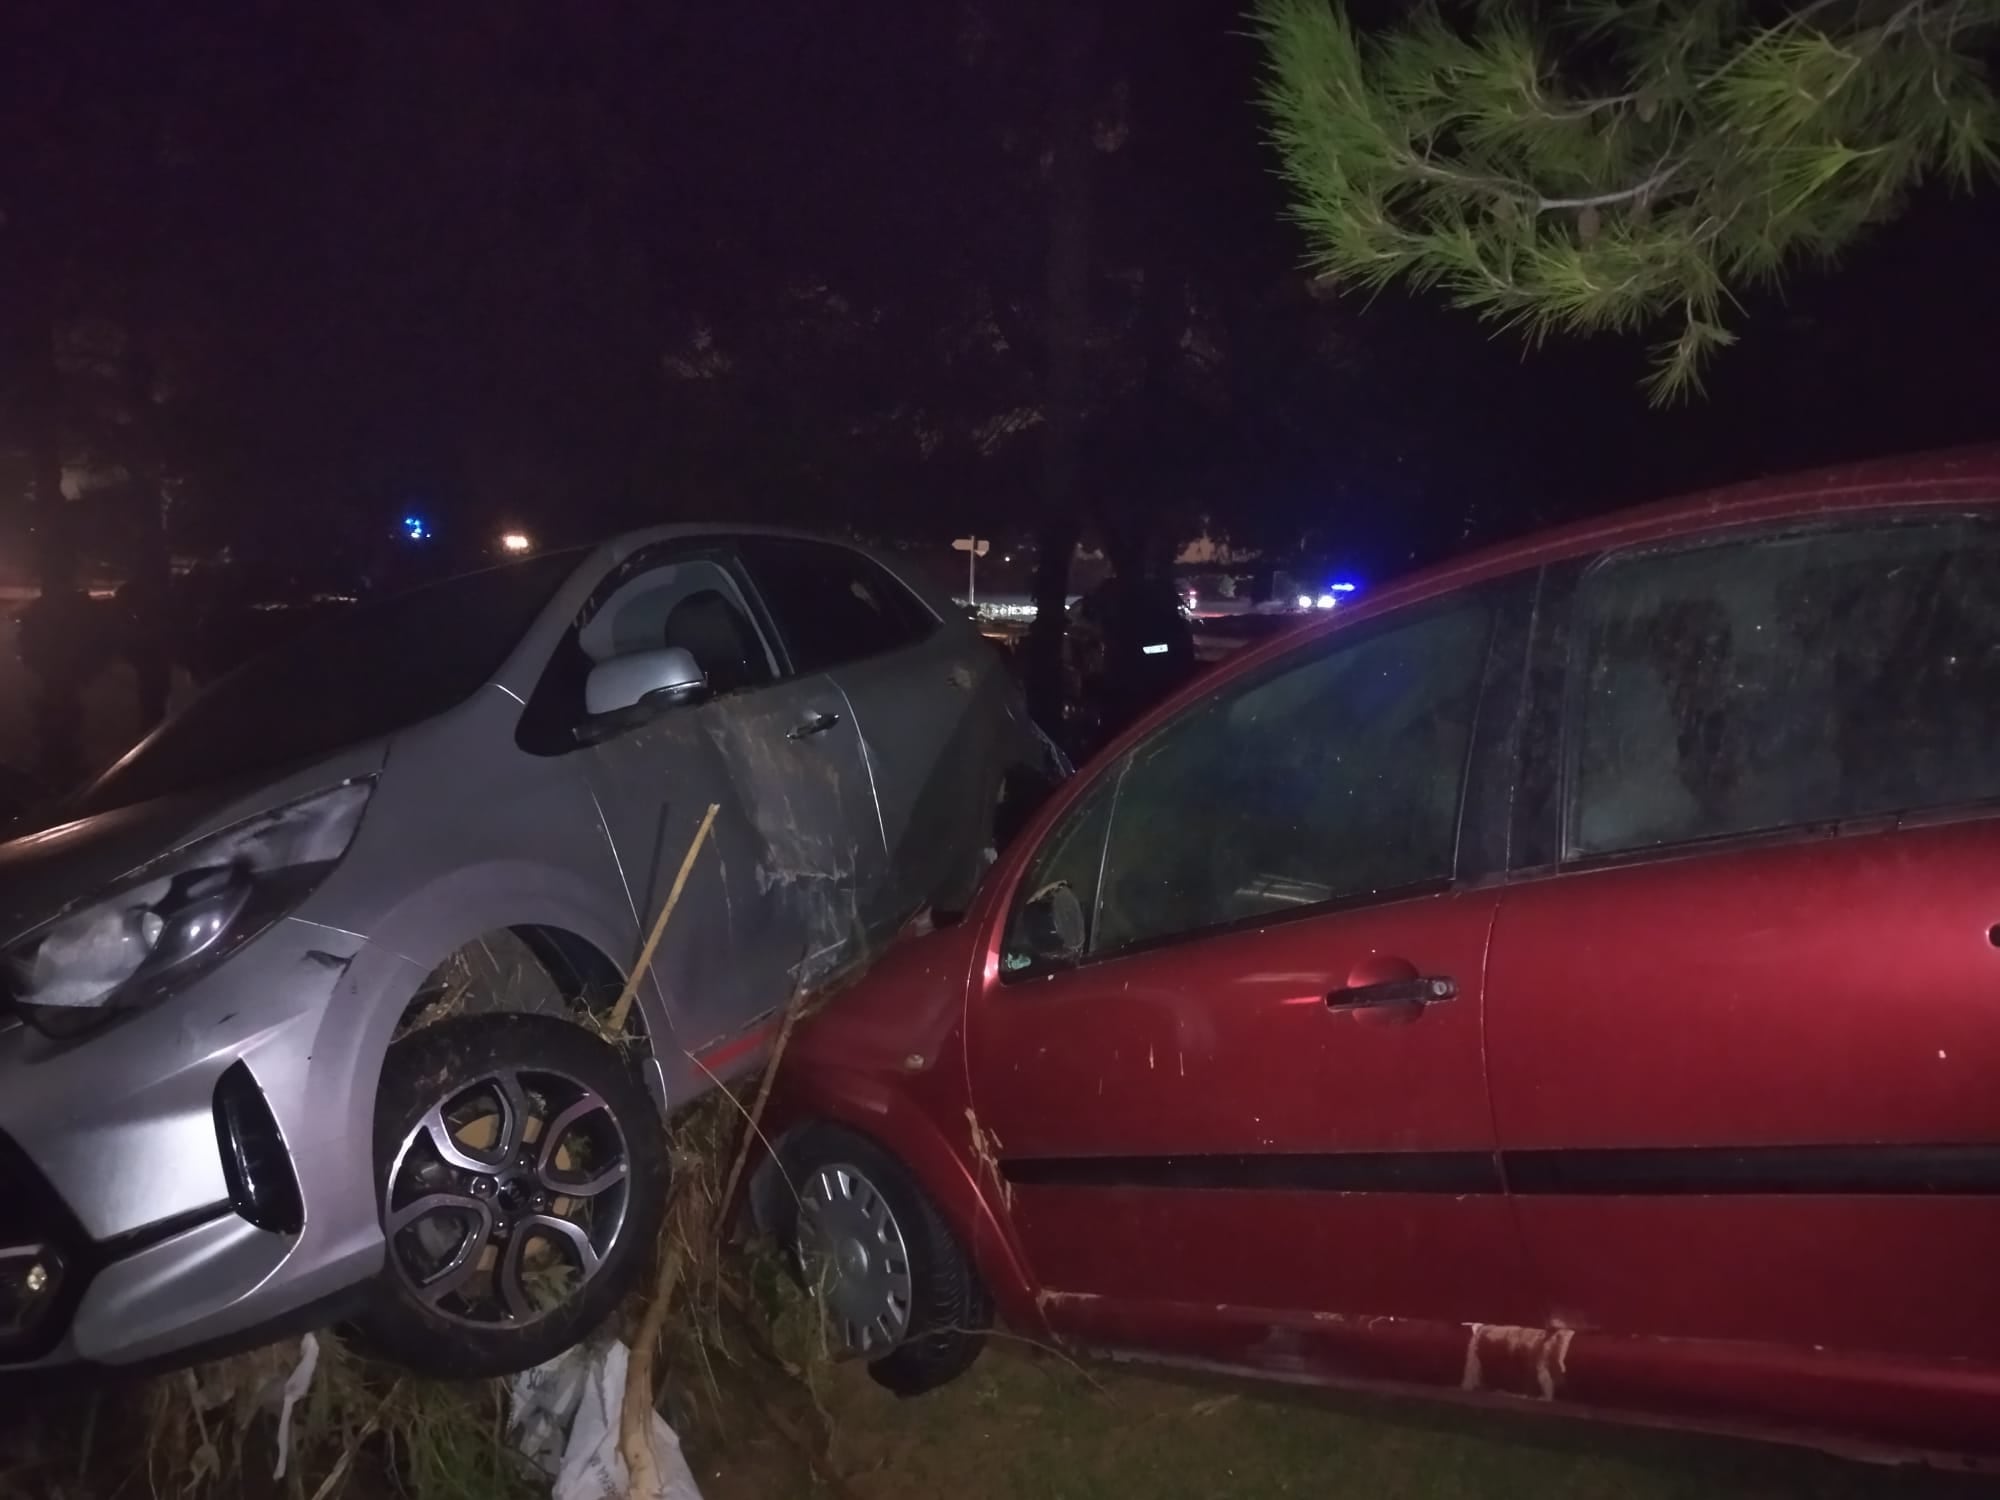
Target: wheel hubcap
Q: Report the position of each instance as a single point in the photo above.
(506, 1196)
(854, 1257)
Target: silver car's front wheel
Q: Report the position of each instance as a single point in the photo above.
(522, 1173)
(506, 1196)
(854, 1255)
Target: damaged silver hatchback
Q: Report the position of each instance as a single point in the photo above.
(303, 1007)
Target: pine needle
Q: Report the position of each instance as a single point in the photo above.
(1605, 166)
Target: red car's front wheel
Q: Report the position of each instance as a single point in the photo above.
(895, 1285)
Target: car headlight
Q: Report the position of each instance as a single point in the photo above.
(175, 918)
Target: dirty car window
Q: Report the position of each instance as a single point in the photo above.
(1786, 680)
(1336, 779)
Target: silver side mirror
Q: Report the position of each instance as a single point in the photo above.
(649, 679)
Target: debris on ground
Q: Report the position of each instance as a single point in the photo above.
(566, 1420)
(296, 1385)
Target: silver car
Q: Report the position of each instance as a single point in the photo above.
(304, 1007)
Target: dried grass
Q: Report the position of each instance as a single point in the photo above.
(211, 1431)
(728, 1317)
(198, 1422)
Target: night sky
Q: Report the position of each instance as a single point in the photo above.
(571, 268)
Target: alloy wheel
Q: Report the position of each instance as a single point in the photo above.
(506, 1196)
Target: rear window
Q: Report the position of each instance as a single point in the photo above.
(383, 666)
(833, 604)
(1777, 681)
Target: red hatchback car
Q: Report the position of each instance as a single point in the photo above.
(1569, 976)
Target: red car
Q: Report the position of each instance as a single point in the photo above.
(1570, 976)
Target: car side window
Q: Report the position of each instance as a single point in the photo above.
(834, 604)
(1755, 684)
(692, 603)
(669, 594)
(1334, 778)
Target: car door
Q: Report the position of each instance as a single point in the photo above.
(913, 686)
(1744, 1004)
(797, 750)
(1245, 1095)
(770, 908)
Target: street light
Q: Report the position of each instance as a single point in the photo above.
(515, 542)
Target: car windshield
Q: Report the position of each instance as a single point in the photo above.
(381, 667)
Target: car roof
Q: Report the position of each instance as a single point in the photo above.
(1935, 478)
(615, 549)
(624, 543)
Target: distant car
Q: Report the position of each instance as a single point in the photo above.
(1570, 976)
(301, 1007)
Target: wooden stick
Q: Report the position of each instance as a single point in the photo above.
(753, 1122)
(645, 964)
(635, 1415)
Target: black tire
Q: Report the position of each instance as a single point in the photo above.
(433, 1066)
(950, 1310)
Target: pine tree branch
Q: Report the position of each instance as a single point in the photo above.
(1446, 155)
(1528, 197)
(1588, 107)
(1638, 191)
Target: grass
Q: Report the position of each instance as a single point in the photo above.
(764, 1417)
(1024, 1427)
(362, 1431)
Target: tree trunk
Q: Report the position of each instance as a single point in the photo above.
(53, 642)
(1068, 316)
(148, 612)
(54, 546)
(147, 617)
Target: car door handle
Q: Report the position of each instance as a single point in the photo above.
(1429, 989)
(817, 724)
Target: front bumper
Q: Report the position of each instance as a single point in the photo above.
(201, 1168)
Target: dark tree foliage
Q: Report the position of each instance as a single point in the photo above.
(1583, 165)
